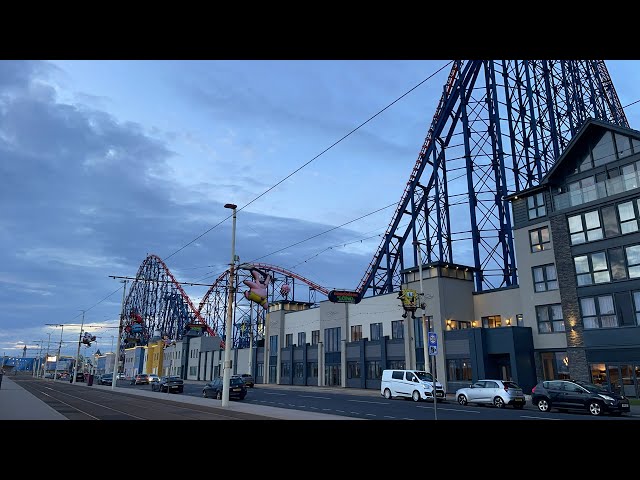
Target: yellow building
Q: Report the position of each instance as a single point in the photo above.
(154, 357)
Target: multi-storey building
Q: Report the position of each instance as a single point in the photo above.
(575, 312)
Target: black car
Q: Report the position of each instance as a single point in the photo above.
(168, 383)
(237, 388)
(572, 395)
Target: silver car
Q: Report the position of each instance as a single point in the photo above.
(496, 392)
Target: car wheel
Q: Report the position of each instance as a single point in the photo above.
(204, 393)
(415, 396)
(498, 402)
(595, 408)
(387, 394)
(544, 405)
(462, 400)
(219, 395)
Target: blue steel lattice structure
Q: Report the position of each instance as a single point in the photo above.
(499, 127)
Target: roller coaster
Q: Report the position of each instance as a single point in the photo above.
(498, 128)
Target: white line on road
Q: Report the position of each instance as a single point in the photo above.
(272, 393)
(370, 414)
(341, 411)
(313, 396)
(292, 405)
(366, 401)
(355, 413)
(450, 409)
(539, 418)
(326, 409)
(315, 408)
(388, 416)
(407, 419)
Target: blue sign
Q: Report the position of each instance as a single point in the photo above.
(433, 339)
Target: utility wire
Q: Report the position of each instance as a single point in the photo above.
(314, 158)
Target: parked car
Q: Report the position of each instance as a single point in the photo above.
(237, 388)
(248, 379)
(571, 395)
(121, 376)
(414, 384)
(168, 383)
(140, 379)
(495, 392)
(105, 379)
(79, 377)
(153, 378)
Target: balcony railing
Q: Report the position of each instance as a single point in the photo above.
(600, 190)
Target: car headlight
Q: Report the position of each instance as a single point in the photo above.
(606, 397)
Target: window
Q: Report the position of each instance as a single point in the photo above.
(397, 329)
(376, 331)
(550, 318)
(312, 369)
(555, 365)
(493, 321)
(610, 221)
(457, 324)
(353, 369)
(545, 278)
(298, 370)
(315, 337)
(285, 369)
(623, 145)
(585, 227)
(592, 268)
(604, 151)
(535, 204)
(399, 364)
(288, 340)
(636, 303)
(356, 333)
(628, 217)
(260, 370)
(598, 312)
(417, 331)
(193, 371)
(459, 369)
(332, 339)
(519, 320)
(273, 345)
(539, 239)
(633, 260)
(302, 338)
(374, 370)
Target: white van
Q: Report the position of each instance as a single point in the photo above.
(414, 384)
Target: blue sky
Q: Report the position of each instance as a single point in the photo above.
(105, 162)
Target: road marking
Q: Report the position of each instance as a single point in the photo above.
(370, 414)
(273, 393)
(292, 405)
(539, 418)
(388, 416)
(450, 409)
(366, 401)
(313, 396)
(315, 408)
(355, 413)
(341, 411)
(407, 419)
(326, 409)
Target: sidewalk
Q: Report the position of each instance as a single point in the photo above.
(18, 404)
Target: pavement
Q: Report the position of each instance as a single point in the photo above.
(16, 403)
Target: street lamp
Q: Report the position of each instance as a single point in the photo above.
(55, 371)
(228, 336)
(75, 367)
(117, 352)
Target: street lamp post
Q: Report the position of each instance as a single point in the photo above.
(55, 371)
(117, 352)
(46, 359)
(74, 379)
(228, 335)
(424, 315)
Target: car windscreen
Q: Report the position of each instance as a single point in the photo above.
(236, 381)
(424, 376)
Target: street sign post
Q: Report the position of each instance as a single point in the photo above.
(433, 343)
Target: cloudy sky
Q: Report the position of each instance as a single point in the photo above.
(105, 162)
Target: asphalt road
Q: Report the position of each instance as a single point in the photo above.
(372, 406)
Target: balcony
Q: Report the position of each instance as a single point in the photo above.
(600, 190)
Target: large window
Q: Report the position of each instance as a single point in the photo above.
(598, 312)
(550, 318)
(585, 227)
(332, 339)
(459, 369)
(312, 369)
(633, 260)
(374, 370)
(545, 278)
(353, 369)
(315, 337)
(397, 329)
(356, 333)
(285, 369)
(397, 364)
(376, 331)
(636, 303)
(288, 340)
(592, 268)
(457, 324)
(539, 239)
(302, 338)
(492, 321)
(628, 217)
(555, 365)
(298, 370)
(273, 345)
(535, 205)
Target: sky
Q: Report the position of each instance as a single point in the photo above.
(104, 162)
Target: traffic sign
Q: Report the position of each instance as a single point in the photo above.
(433, 339)
(433, 350)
